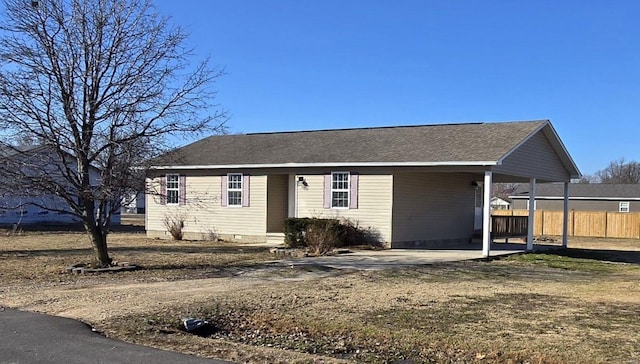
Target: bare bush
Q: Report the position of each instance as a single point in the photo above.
(352, 234)
(210, 235)
(175, 226)
(322, 238)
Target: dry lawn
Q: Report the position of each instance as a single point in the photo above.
(581, 305)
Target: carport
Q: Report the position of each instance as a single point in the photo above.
(541, 158)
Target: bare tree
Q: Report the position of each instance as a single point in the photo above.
(504, 190)
(102, 85)
(586, 179)
(621, 172)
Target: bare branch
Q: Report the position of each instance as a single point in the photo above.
(103, 85)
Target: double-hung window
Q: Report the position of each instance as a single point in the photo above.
(340, 190)
(234, 189)
(173, 188)
(623, 206)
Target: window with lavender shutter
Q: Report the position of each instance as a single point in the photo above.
(353, 191)
(163, 190)
(223, 195)
(327, 191)
(245, 190)
(182, 190)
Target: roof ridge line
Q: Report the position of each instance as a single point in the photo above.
(393, 127)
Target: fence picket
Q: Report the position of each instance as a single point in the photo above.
(598, 224)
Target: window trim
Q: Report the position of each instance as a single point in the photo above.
(176, 189)
(624, 209)
(229, 189)
(347, 190)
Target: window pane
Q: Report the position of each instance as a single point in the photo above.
(172, 188)
(172, 196)
(235, 198)
(624, 207)
(235, 181)
(340, 189)
(340, 181)
(340, 199)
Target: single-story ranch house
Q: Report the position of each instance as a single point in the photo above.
(583, 197)
(412, 185)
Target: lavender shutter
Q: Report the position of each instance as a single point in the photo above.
(245, 190)
(182, 190)
(327, 191)
(163, 190)
(224, 195)
(353, 191)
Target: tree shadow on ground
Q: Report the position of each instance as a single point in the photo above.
(169, 249)
(618, 256)
(69, 228)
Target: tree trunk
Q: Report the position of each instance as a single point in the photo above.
(98, 238)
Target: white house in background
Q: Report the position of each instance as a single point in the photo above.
(134, 203)
(27, 207)
(498, 203)
(416, 186)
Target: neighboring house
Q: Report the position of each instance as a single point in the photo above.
(134, 203)
(412, 185)
(582, 197)
(498, 203)
(22, 206)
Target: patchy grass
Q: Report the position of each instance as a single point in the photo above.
(571, 305)
(33, 257)
(564, 260)
(372, 318)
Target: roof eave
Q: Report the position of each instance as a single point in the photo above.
(331, 164)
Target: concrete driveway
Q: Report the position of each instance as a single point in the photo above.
(392, 258)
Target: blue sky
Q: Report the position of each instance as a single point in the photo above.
(300, 65)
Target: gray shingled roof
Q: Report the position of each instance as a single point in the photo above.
(584, 190)
(473, 142)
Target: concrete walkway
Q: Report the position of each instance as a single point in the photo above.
(33, 338)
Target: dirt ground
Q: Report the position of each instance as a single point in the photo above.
(533, 308)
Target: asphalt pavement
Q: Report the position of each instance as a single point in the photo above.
(33, 338)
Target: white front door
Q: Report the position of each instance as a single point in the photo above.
(477, 221)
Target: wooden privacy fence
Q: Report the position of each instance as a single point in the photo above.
(508, 226)
(600, 224)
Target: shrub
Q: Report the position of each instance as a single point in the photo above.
(294, 229)
(174, 225)
(322, 235)
(354, 235)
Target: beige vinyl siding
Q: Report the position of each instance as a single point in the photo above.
(277, 201)
(374, 202)
(578, 205)
(203, 213)
(535, 158)
(432, 206)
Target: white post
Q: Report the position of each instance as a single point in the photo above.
(565, 216)
(293, 195)
(486, 215)
(532, 212)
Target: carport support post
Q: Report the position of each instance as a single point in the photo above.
(565, 216)
(532, 213)
(486, 214)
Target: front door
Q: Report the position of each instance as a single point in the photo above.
(477, 221)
